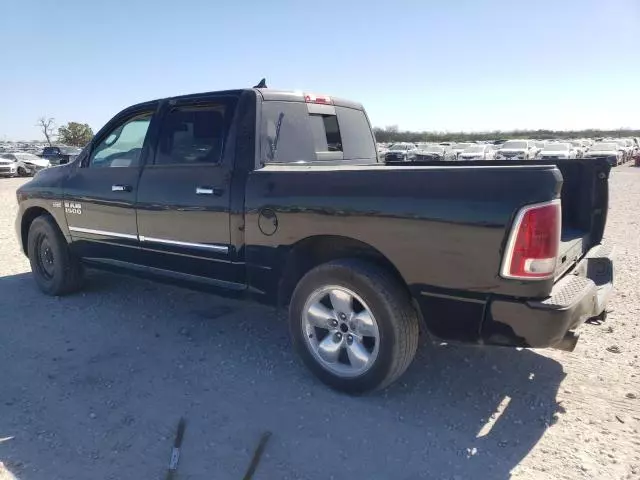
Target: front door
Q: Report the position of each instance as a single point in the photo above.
(184, 194)
(100, 193)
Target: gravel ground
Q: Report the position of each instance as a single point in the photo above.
(93, 386)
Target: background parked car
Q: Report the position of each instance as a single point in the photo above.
(435, 152)
(580, 148)
(622, 146)
(610, 150)
(59, 155)
(21, 164)
(401, 152)
(559, 150)
(478, 152)
(539, 146)
(517, 150)
(458, 148)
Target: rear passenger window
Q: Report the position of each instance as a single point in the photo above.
(194, 134)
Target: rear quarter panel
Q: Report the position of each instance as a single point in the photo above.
(440, 226)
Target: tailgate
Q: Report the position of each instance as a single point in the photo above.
(585, 201)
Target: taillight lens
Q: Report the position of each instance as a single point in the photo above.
(532, 249)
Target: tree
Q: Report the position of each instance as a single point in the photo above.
(75, 134)
(48, 126)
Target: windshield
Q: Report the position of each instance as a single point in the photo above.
(604, 147)
(557, 147)
(399, 146)
(515, 144)
(475, 149)
(462, 146)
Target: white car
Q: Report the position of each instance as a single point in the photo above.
(622, 146)
(559, 150)
(382, 150)
(611, 150)
(539, 147)
(458, 148)
(21, 164)
(478, 152)
(517, 150)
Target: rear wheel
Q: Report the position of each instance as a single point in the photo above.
(353, 325)
(55, 269)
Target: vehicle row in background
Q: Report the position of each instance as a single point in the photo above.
(616, 150)
(20, 163)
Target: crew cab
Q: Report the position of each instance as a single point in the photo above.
(279, 197)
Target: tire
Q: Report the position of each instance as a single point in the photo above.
(396, 321)
(54, 268)
(22, 172)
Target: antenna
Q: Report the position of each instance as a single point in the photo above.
(262, 84)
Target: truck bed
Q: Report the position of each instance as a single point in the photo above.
(584, 197)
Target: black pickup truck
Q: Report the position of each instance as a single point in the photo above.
(280, 197)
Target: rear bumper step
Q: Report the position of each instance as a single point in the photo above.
(581, 294)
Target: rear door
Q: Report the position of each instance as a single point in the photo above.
(184, 193)
(100, 192)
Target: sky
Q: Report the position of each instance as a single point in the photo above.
(445, 65)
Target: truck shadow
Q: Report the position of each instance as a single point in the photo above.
(139, 355)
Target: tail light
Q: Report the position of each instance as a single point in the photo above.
(532, 249)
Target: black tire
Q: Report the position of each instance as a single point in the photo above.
(391, 306)
(54, 268)
(22, 172)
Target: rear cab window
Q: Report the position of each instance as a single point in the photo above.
(194, 133)
(299, 132)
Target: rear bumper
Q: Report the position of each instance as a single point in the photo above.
(581, 294)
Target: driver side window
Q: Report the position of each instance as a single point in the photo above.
(122, 147)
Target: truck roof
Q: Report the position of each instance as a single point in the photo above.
(267, 94)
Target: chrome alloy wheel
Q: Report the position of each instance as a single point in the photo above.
(340, 331)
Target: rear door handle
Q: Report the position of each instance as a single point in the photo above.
(209, 191)
(120, 188)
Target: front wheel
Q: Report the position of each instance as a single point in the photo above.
(353, 325)
(55, 269)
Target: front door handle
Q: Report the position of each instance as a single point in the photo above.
(120, 188)
(209, 191)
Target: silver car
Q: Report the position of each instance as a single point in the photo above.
(559, 150)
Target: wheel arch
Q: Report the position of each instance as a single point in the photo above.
(29, 215)
(310, 252)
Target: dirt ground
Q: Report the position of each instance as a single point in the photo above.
(92, 386)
